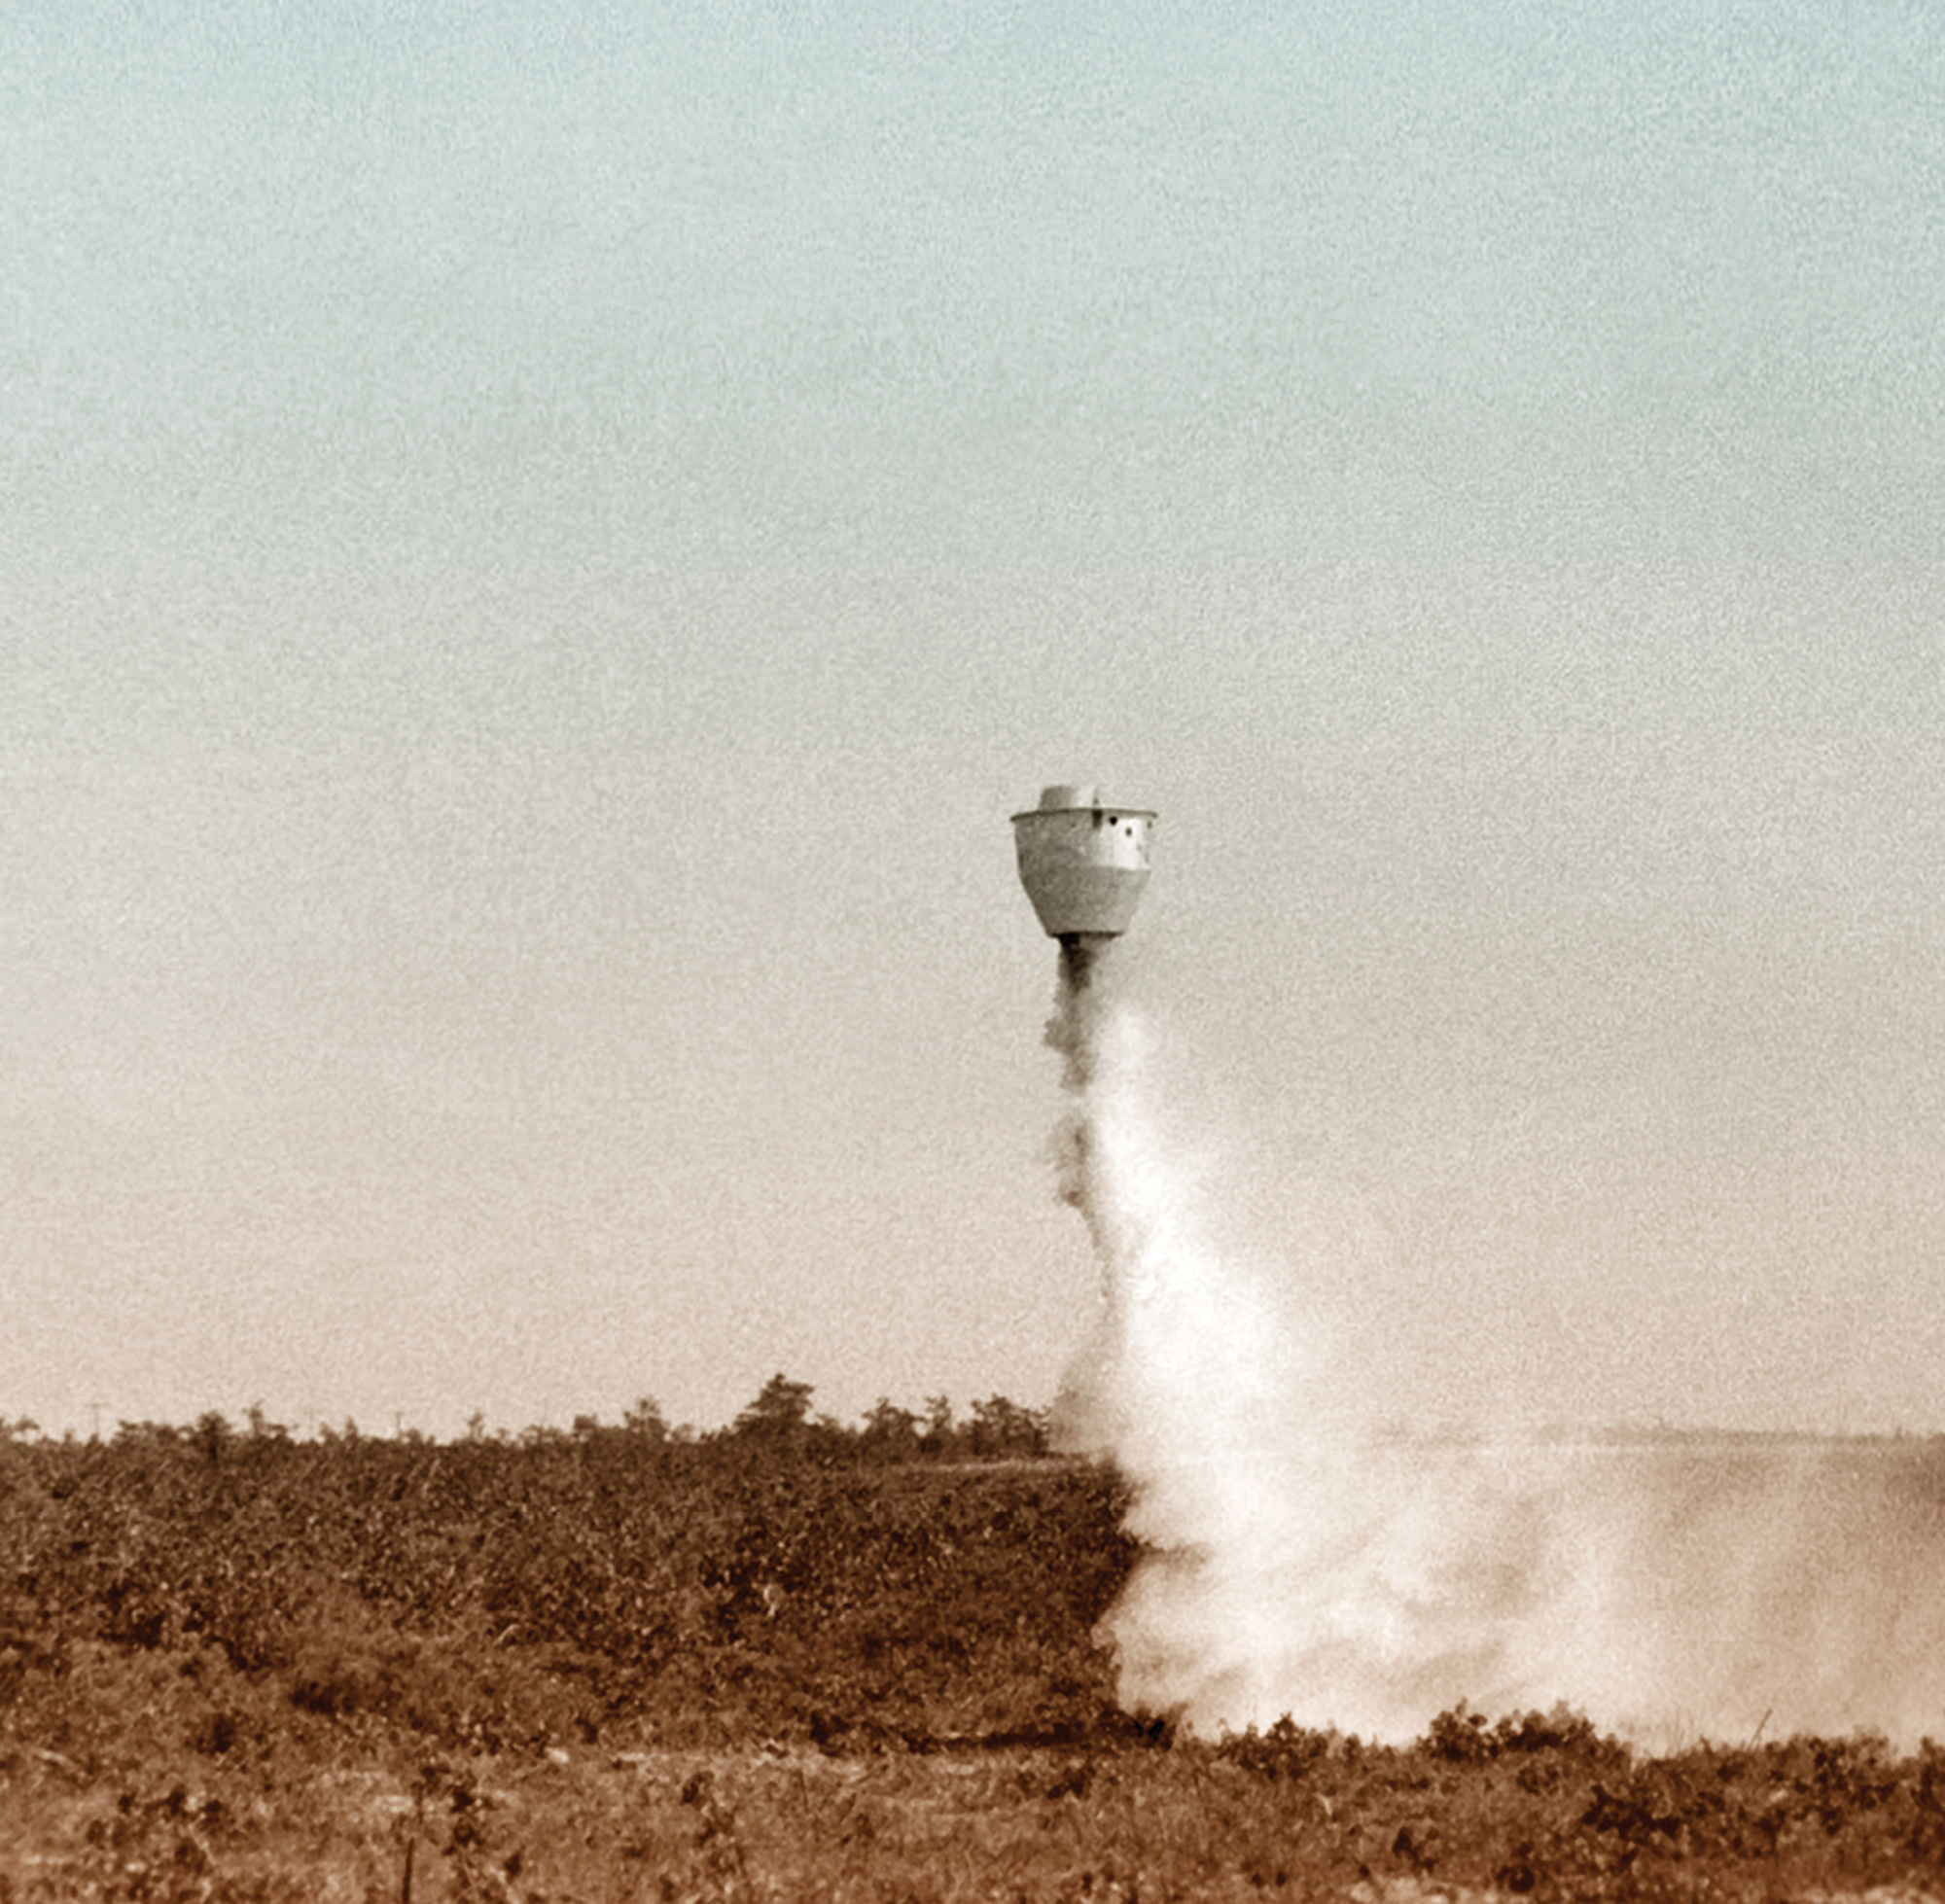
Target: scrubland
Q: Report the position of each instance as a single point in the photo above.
(777, 1663)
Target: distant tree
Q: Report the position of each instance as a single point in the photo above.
(211, 1436)
(1003, 1429)
(262, 1428)
(646, 1421)
(939, 1432)
(890, 1432)
(779, 1412)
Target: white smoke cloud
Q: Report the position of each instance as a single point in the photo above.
(1305, 1556)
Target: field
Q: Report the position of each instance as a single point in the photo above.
(780, 1662)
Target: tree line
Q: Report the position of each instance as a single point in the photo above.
(778, 1421)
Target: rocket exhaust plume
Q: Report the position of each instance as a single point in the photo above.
(1301, 1558)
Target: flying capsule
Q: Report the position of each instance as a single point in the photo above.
(1084, 864)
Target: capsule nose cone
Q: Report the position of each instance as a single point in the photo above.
(1084, 864)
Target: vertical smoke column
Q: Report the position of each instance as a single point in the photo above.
(1187, 1386)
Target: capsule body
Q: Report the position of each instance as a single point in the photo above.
(1084, 864)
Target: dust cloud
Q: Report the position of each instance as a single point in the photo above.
(1304, 1556)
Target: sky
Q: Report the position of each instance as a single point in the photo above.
(540, 545)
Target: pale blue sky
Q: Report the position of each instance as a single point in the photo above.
(540, 547)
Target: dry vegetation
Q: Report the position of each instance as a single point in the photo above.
(788, 1661)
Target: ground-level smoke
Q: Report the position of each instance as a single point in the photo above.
(1305, 1557)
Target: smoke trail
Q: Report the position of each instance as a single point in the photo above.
(1302, 1560)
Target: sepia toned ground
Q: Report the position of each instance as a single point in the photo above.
(1184, 1821)
(601, 1669)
